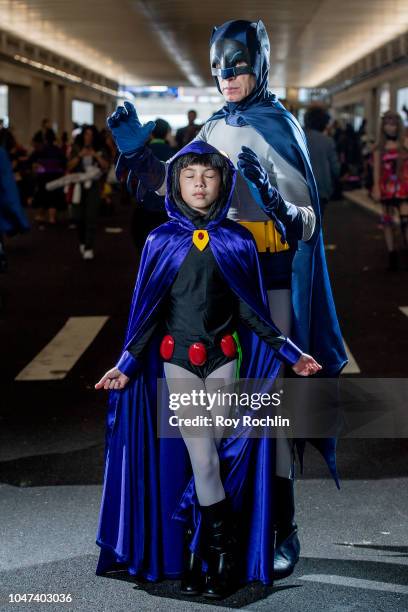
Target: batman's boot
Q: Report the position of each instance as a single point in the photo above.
(287, 545)
(192, 580)
(220, 550)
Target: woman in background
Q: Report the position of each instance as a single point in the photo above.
(86, 152)
(48, 163)
(390, 186)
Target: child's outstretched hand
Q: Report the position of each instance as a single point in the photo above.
(306, 366)
(113, 379)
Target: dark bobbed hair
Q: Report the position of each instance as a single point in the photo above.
(213, 160)
(161, 129)
(316, 118)
(96, 140)
(48, 138)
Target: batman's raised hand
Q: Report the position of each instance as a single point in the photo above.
(127, 130)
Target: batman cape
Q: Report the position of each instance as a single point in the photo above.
(148, 491)
(315, 327)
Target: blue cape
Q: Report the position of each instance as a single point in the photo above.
(12, 216)
(315, 327)
(148, 487)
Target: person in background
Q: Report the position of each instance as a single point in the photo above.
(109, 145)
(22, 171)
(48, 162)
(159, 142)
(323, 155)
(87, 152)
(186, 134)
(65, 144)
(152, 214)
(390, 185)
(348, 147)
(40, 136)
(362, 130)
(367, 142)
(335, 131)
(110, 184)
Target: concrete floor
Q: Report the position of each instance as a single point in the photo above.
(354, 541)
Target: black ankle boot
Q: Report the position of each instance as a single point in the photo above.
(192, 580)
(220, 550)
(287, 545)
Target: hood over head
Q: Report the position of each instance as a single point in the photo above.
(180, 211)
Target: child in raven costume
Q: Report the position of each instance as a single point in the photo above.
(198, 300)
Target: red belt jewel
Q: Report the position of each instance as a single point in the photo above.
(197, 354)
(167, 347)
(228, 346)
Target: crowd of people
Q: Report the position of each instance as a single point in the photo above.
(50, 176)
(342, 159)
(51, 157)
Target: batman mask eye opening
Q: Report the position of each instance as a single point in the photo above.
(229, 58)
(226, 73)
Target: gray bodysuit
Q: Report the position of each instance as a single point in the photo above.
(290, 183)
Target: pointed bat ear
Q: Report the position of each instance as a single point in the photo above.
(263, 38)
(215, 28)
(260, 26)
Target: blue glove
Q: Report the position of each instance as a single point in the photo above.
(128, 132)
(267, 196)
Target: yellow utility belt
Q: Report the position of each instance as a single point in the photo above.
(267, 237)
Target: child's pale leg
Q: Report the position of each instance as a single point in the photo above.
(221, 377)
(201, 447)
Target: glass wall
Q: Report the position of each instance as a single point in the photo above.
(82, 112)
(385, 98)
(4, 105)
(402, 102)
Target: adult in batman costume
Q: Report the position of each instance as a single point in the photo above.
(276, 199)
(148, 488)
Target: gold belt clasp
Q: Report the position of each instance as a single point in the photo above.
(267, 237)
